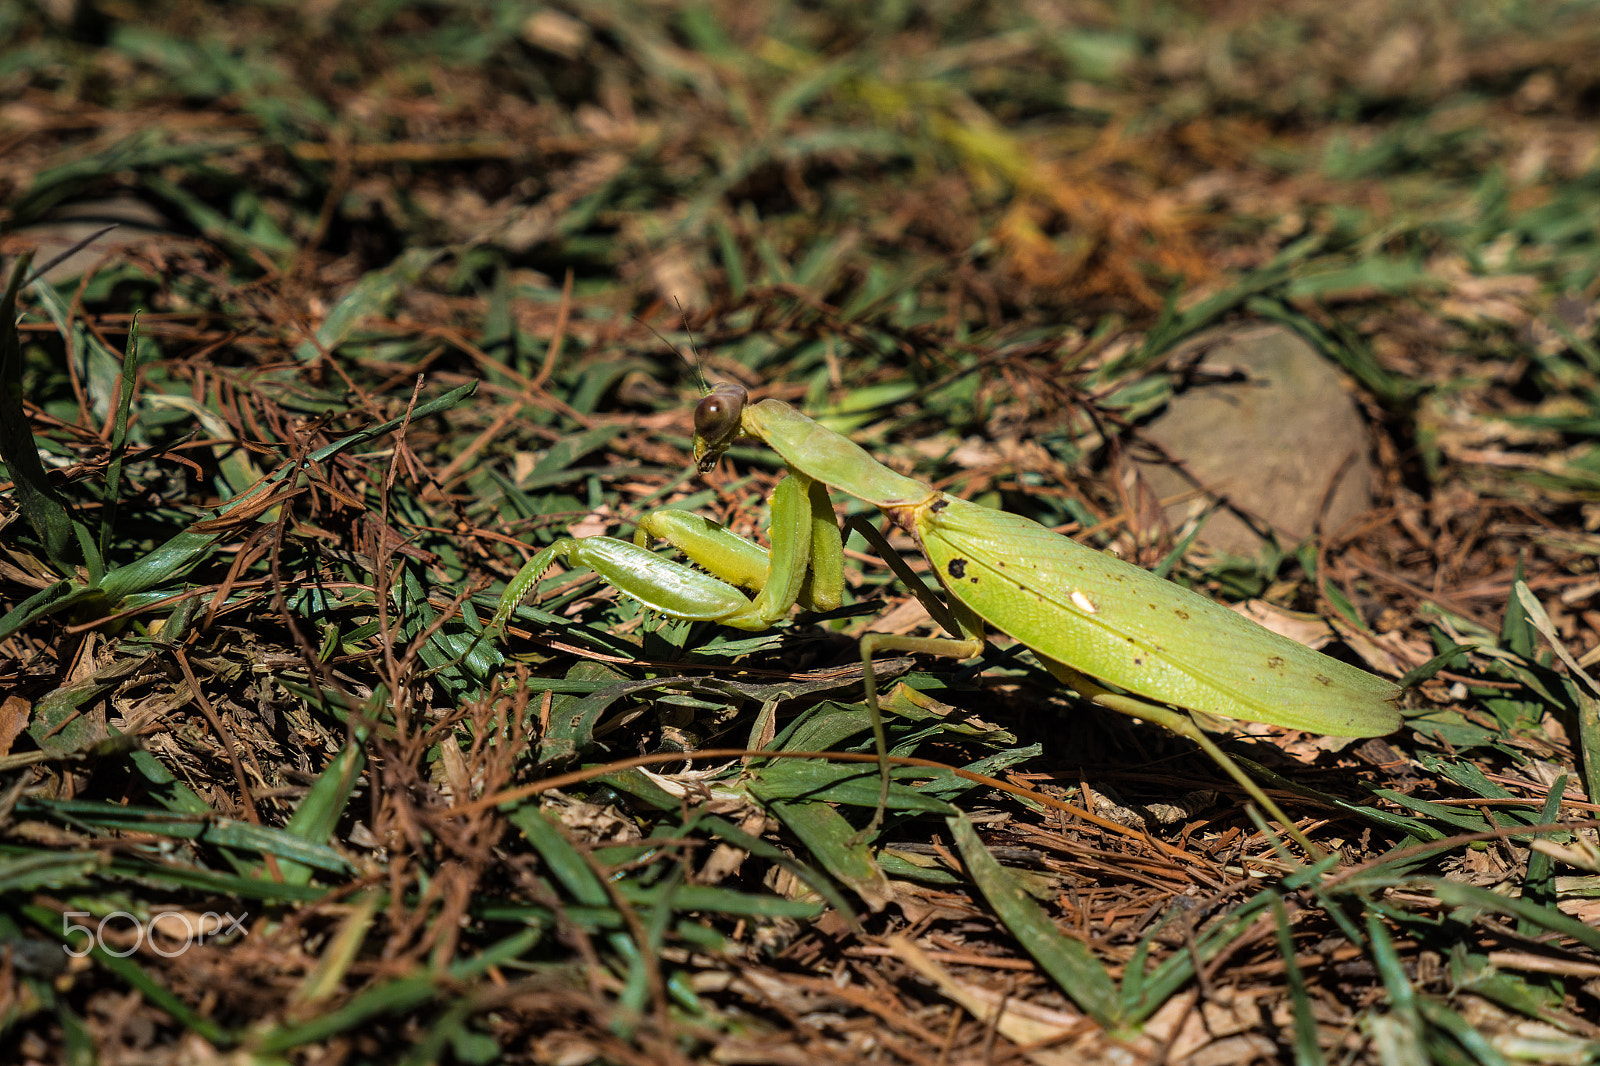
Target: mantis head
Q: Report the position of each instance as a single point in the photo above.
(716, 423)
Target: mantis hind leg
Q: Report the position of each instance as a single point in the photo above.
(965, 642)
(1183, 724)
(871, 645)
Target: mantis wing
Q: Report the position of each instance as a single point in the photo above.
(1124, 625)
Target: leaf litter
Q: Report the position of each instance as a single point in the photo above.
(403, 320)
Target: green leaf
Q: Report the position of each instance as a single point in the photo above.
(1516, 630)
(856, 784)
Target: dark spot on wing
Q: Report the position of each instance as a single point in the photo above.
(958, 568)
(1181, 613)
(1323, 680)
(1275, 662)
(938, 505)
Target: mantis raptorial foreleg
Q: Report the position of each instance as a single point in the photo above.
(798, 504)
(804, 566)
(805, 540)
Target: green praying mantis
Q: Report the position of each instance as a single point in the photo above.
(1118, 635)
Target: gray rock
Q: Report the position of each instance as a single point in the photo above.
(1270, 444)
(135, 222)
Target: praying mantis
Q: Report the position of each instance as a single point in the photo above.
(1118, 635)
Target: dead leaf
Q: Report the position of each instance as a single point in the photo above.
(14, 715)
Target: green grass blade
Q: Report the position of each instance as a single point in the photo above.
(829, 837)
(32, 870)
(636, 989)
(322, 981)
(1537, 916)
(1069, 963)
(1516, 628)
(369, 297)
(1398, 1034)
(1477, 1044)
(393, 997)
(1539, 884)
(1585, 688)
(260, 237)
(163, 566)
(1178, 969)
(38, 500)
(41, 604)
(314, 819)
(714, 898)
(856, 784)
(77, 1040)
(173, 875)
(1307, 1047)
(362, 436)
(727, 831)
(560, 857)
(223, 832)
(118, 449)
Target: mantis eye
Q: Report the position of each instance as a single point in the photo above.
(716, 422)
